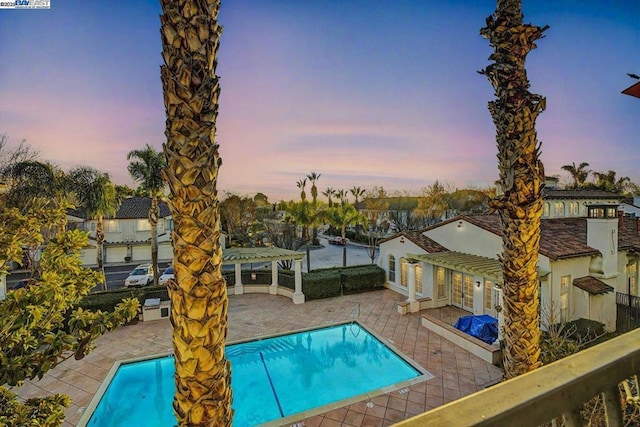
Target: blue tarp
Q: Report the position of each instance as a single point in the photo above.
(483, 327)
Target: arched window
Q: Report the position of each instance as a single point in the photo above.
(392, 268)
(546, 209)
(403, 272)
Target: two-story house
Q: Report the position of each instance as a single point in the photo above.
(128, 233)
(582, 262)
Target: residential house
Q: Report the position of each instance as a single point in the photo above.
(128, 233)
(582, 262)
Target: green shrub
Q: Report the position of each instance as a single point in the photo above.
(107, 300)
(321, 284)
(362, 279)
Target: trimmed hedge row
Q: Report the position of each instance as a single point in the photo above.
(319, 283)
(335, 281)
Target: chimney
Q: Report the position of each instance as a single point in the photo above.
(602, 234)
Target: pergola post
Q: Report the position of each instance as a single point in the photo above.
(239, 288)
(298, 296)
(411, 279)
(273, 289)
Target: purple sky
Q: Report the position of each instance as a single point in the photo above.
(365, 92)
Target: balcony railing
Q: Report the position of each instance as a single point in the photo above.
(558, 389)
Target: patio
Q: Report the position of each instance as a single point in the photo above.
(456, 371)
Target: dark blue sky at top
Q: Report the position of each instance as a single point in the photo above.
(364, 92)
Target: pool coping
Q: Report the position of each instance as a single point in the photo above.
(290, 419)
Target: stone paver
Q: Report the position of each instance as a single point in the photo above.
(456, 372)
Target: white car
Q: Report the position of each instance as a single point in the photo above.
(142, 275)
(166, 275)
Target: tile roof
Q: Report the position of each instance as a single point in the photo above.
(138, 207)
(424, 242)
(629, 233)
(553, 194)
(592, 285)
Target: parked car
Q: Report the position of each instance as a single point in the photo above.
(337, 240)
(142, 275)
(23, 283)
(166, 275)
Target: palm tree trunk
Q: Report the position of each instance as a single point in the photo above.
(153, 220)
(100, 251)
(521, 179)
(343, 235)
(190, 38)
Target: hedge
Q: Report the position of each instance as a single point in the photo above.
(362, 279)
(321, 284)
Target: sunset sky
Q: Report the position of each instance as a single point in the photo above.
(365, 92)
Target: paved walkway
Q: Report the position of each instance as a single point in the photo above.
(456, 371)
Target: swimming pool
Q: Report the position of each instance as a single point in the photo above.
(272, 378)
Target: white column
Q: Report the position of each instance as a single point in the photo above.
(411, 279)
(239, 289)
(273, 289)
(298, 296)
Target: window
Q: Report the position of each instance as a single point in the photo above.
(143, 225)
(468, 291)
(488, 295)
(633, 279)
(564, 298)
(403, 272)
(93, 226)
(419, 278)
(558, 209)
(168, 224)
(456, 282)
(440, 282)
(392, 268)
(109, 226)
(546, 209)
(574, 209)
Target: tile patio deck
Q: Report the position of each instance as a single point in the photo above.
(456, 371)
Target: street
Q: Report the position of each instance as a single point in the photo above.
(326, 256)
(115, 274)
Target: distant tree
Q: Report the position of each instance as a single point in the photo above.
(305, 214)
(607, 181)
(341, 216)
(376, 206)
(433, 203)
(301, 183)
(145, 167)
(23, 152)
(579, 173)
(313, 178)
(329, 193)
(123, 192)
(342, 196)
(357, 193)
(238, 214)
(96, 195)
(284, 234)
(468, 201)
(31, 180)
(39, 325)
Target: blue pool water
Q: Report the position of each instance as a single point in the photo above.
(271, 378)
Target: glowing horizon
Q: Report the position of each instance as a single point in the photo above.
(363, 93)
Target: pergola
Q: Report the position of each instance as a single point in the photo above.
(239, 256)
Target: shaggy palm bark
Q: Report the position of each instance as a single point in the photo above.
(100, 250)
(521, 178)
(154, 213)
(190, 37)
